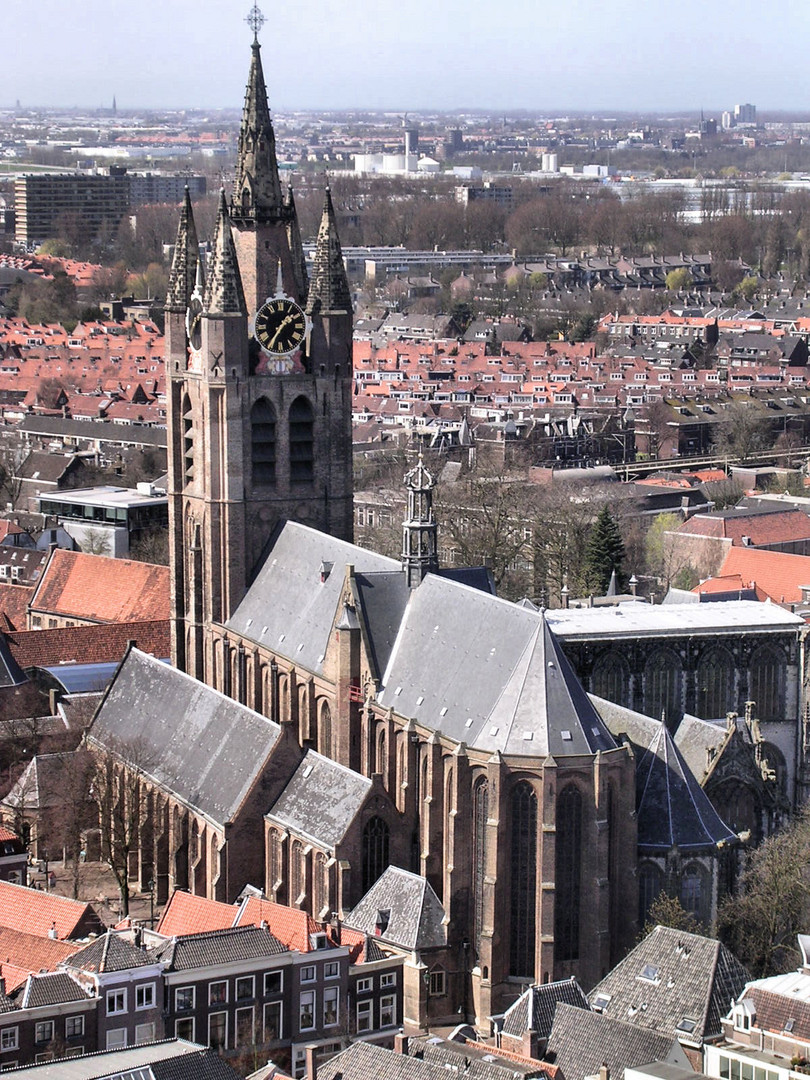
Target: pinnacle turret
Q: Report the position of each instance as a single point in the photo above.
(183, 274)
(329, 287)
(299, 261)
(224, 294)
(257, 189)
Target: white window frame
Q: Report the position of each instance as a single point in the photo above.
(140, 991)
(79, 1020)
(181, 990)
(113, 998)
(43, 1025)
(185, 1020)
(388, 1001)
(251, 979)
(212, 1016)
(144, 1033)
(218, 1001)
(365, 986)
(331, 994)
(313, 1005)
(116, 1039)
(331, 969)
(388, 978)
(365, 1015)
(273, 975)
(273, 1005)
(252, 1039)
(9, 1038)
(308, 973)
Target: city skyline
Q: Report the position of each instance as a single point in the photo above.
(412, 55)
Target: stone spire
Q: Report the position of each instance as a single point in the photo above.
(257, 189)
(329, 288)
(419, 532)
(224, 294)
(183, 273)
(296, 247)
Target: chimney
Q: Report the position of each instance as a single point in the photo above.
(400, 1043)
(312, 1062)
(604, 1072)
(52, 933)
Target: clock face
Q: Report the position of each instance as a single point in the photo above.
(194, 322)
(280, 326)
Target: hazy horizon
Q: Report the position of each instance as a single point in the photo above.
(585, 56)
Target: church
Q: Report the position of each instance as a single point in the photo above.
(331, 712)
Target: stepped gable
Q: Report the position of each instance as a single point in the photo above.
(38, 913)
(672, 807)
(401, 909)
(302, 808)
(103, 590)
(203, 746)
(581, 1042)
(677, 983)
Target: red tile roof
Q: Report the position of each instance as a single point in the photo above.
(103, 590)
(776, 528)
(89, 644)
(779, 575)
(29, 954)
(14, 601)
(30, 911)
(7, 834)
(290, 925)
(187, 914)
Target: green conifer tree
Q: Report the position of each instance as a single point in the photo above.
(604, 552)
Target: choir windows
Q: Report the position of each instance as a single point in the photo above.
(568, 874)
(524, 881)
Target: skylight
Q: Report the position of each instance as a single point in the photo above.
(650, 973)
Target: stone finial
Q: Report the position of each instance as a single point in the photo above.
(183, 274)
(329, 288)
(224, 294)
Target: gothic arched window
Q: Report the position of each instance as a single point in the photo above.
(768, 683)
(663, 687)
(650, 885)
(302, 440)
(320, 886)
(695, 891)
(263, 442)
(296, 871)
(375, 851)
(479, 855)
(325, 730)
(524, 881)
(188, 441)
(715, 685)
(610, 678)
(567, 874)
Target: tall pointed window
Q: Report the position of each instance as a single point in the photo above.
(263, 442)
(715, 684)
(375, 851)
(568, 872)
(480, 815)
(610, 678)
(663, 687)
(768, 683)
(302, 440)
(524, 881)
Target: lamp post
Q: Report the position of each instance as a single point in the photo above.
(152, 903)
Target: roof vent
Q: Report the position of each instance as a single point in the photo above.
(565, 735)
(325, 570)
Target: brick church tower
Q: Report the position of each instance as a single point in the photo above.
(259, 368)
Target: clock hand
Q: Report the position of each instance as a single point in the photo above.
(284, 322)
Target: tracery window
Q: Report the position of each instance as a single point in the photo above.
(524, 881)
(296, 871)
(768, 683)
(480, 815)
(320, 886)
(663, 687)
(302, 440)
(650, 885)
(325, 732)
(695, 891)
(568, 872)
(263, 442)
(375, 850)
(715, 685)
(610, 678)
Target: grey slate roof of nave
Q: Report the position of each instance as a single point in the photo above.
(582, 1041)
(366, 1061)
(416, 914)
(321, 800)
(535, 1008)
(698, 977)
(205, 747)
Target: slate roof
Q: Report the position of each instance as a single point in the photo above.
(669, 620)
(49, 988)
(102, 590)
(415, 914)
(535, 1008)
(304, 810)
(110, 952)
(214, 947)
(172, 1059)
(695, 979)
(203, 746)
(510, 688)
(672, 807)
(366, 1061)
(10, 672)
(36, 912)
(581, 1042)
(41, 783)
(697, 740)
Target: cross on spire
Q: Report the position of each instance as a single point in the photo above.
(255, 20)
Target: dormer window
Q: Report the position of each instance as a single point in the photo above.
(743, 1015)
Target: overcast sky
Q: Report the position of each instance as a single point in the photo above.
(411, 54)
